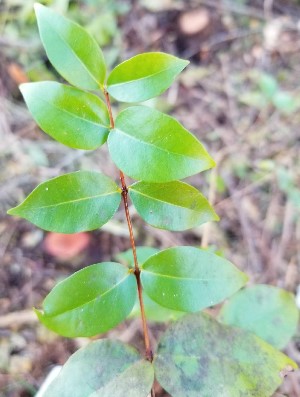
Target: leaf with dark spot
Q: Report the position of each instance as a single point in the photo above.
(197, 356)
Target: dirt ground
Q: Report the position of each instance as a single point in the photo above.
(239, 50)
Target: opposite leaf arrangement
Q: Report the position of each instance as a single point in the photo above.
(197, 355)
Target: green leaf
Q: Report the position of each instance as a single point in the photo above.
(268, 85)
(149, 145)
(144, 76)
(142, 253)
(73, 117)
(104, 368)
(70, 49)
(71, 203)
(172, 206)
(190, 279)
(269, 312)
(154, 312)
(197, 356)
(91, 301)
(284, 102)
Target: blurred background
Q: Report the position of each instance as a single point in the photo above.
(240, 95)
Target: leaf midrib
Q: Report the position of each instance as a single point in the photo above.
(141, 78)
(213, 358)
(63, 110)
(181, 278)
(157, 147)
(90, 301)
(119, 375)
(72, 51)
(166, 202)
(75, 201)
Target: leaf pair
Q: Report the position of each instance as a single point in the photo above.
(146, 144)
(100, 296)
(77, 57)
(196, 356)
(86, 200)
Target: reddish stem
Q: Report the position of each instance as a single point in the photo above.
(137, 271)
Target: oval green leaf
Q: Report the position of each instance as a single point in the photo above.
(197, 356)
(91, 301)
(151, 146)
(172, 206)
(70, 49)
(73, 117)
(71, 203)
(269, 312)
(144, 76)
(189, 279)
(104, 368)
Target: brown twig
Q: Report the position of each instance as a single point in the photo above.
(137, 271)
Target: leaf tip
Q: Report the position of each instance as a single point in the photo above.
(23, 87)
(216, 217)
(12, 211)
(212, 163)
(39, 314)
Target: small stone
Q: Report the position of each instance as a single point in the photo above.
(32, 239)
(194, 21)
(17, 342)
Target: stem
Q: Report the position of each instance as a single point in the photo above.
(137, 271)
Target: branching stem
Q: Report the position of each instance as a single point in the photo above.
(137, 271)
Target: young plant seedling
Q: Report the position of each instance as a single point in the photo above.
(197, 355)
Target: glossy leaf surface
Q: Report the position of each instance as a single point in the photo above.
(269, 312)
(91, 301)
(70, 49)
(73, 117)
(190, 279)
(71, 203)
(197, 356)
(172, 206)
(151, 146)
(144, 76)
(154, 312)
(104, 368)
